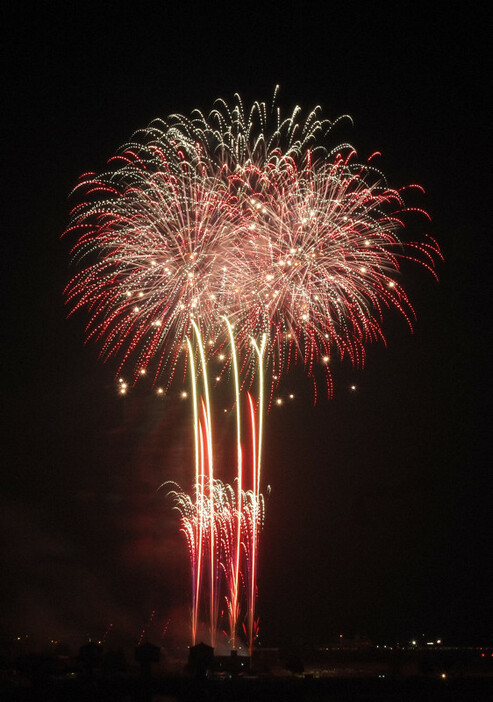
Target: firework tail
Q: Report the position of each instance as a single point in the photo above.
(225, 519)
(256, 434)
(208, 456)
(239, 479)
(196, 554)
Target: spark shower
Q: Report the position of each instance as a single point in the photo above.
(242, 236)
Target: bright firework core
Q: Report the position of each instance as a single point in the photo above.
(225, 229)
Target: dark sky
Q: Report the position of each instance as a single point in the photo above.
(379, 519)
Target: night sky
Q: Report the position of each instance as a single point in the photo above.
(379, 517)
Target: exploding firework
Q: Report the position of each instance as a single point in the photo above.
(244, 215)
(209, 232)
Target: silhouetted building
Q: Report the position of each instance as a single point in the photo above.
(90, 654)
(200, 660)
(145, 654)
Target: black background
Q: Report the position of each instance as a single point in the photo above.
(379, 517)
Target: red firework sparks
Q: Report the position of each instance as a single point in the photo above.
(248, 218)
(244, 215)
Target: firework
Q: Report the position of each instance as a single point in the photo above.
(209, 232)
(222, 523)
(246, 215)
(217, 511)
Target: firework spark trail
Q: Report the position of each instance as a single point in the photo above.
(256, 426)
(225, 524)
(204, 475)
(206, 439)
(196, 555)
(239, 478)
(146, 627)
(218, 518)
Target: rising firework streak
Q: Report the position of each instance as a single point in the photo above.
(221, 523)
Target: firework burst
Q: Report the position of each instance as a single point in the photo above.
(246, 215)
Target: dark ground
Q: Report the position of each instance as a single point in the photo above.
(360, 690)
